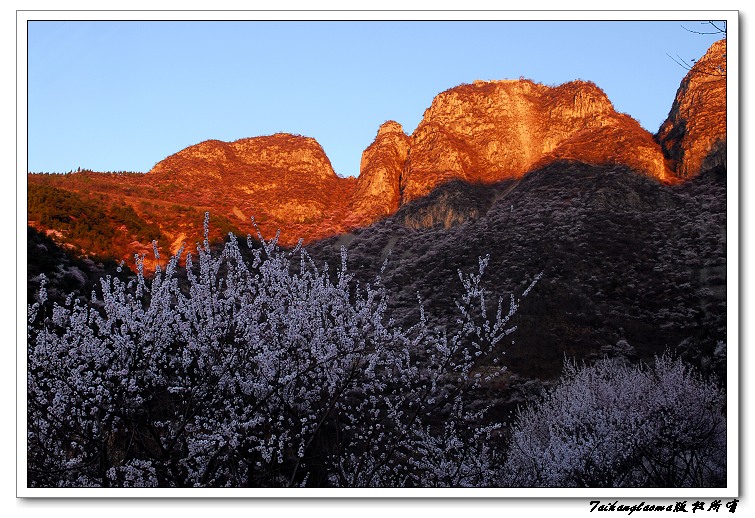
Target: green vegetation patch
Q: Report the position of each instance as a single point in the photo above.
(90, 224)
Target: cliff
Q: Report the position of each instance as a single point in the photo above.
(495, 130)
(378, 189)
(693, 136)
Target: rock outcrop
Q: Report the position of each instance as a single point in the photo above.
(213, 159)
(281, 180)
(693, 137)
(378, 190)
(494, 130)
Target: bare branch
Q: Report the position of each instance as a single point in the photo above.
(722, 31)
(717, 31)
(679, 61)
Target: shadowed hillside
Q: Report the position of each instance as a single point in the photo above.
(630, 266)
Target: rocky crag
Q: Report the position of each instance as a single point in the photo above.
(496, 130)
(693, 137)
(378, 191)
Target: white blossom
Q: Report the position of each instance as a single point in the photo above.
(259, 369)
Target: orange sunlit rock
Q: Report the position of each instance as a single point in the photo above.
(493, 130)
(284, 181)
(693, 136)
(378, 191)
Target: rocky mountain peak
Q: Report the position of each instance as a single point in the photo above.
(579, 100)
(283, 181)
(215, 159)
(378, 190)
(390, 127)
(489, 131)
(693, 136)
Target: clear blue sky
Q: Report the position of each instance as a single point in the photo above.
(113, 96)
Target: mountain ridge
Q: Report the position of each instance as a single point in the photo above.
(483, 132)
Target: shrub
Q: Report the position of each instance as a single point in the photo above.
(266, 371)
(616, 425)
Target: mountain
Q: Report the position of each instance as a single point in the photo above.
(482, 133)
(494, 130)
(284, 181)
(247, 161)
(631, 266)
(693, 136)
(489, 131)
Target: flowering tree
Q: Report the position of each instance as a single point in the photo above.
(256, 371)
(616, 425)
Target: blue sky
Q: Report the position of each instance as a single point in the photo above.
(112, 96)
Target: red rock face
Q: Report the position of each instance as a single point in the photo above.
(235, 161)
(378, 191)
(494, 130)
(622, 141)
(283, 181)
(693, 137)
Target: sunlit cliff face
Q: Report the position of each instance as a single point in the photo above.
(693, 136)
(378, 191)
(494, 130)
(284, 181)
(232, 161)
